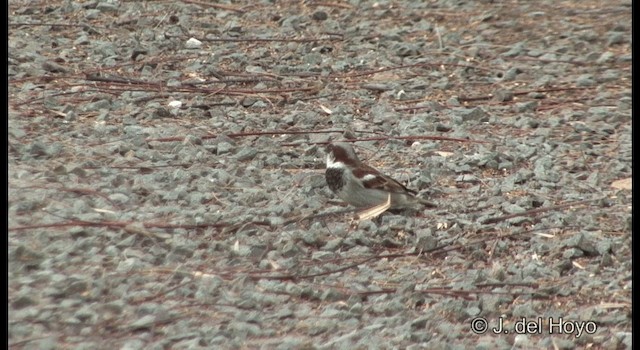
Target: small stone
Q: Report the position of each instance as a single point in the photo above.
(319, 16)
(23, 301)
(107, 6)
(615, 38)
(192, 140)
(526, 106)
(246, 154)
(119, 198)
(502, 95)
(248, 101)
(224, 147)
(465, 178)
(406, 50)
(511, 74)
(475, 114)
(193, 43)
(443, 128)
(453, 101)
(605, 57)
(425, 240)
(53, 67)
(143, 322)
(37, 149)
(516, 50)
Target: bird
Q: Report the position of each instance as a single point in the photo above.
(360, 185)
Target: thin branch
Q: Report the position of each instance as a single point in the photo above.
(538, 211)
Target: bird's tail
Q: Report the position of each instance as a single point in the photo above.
(426, 203)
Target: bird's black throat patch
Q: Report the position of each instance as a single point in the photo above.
(335, 178)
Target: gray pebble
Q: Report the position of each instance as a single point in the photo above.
(606, 56)
(616, 38)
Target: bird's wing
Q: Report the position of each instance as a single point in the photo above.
(373, 179)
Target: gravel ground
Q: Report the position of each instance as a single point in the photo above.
(166, 186)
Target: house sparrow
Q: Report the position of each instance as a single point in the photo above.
(363, 186)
